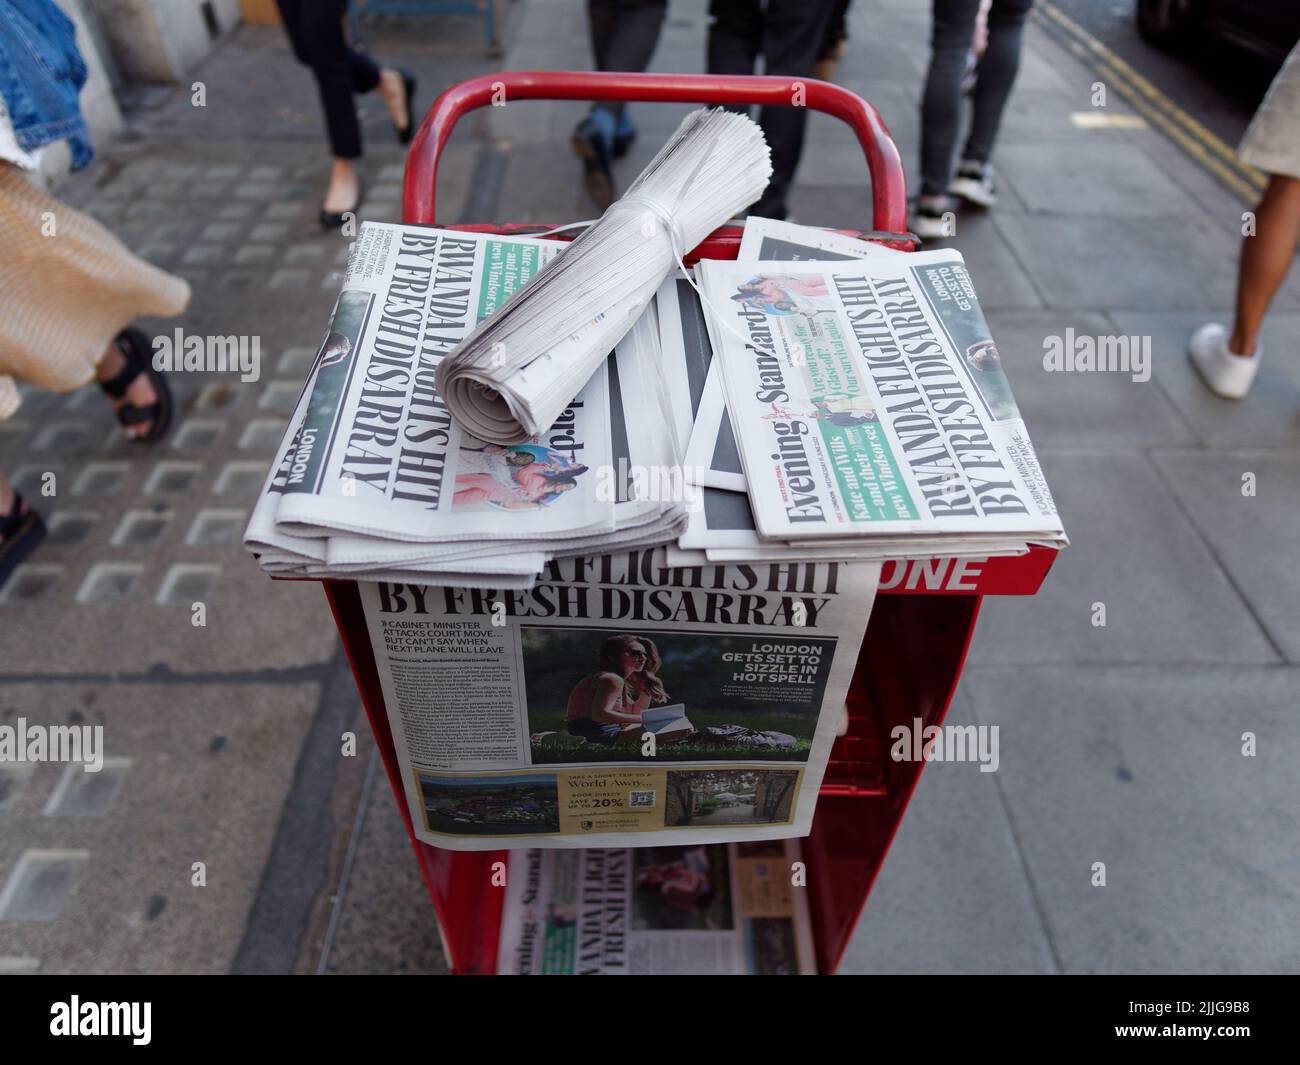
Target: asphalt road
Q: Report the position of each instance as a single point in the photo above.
(1214, 82)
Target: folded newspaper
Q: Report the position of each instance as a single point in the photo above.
(374, 478)
(857, 407)
(619, 698)
(511, 378)
(694, 910)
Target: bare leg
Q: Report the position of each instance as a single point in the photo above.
(7, 495)
(343, 190)
(1265, 260)
(393, 91)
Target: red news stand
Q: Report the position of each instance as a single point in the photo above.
(921, 623)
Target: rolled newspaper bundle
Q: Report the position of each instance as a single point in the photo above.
(512, 376)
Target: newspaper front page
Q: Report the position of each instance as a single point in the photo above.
(869, 398)
(695, 910)
(619, 697)
(379, 453)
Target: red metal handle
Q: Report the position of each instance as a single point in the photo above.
(888, 187)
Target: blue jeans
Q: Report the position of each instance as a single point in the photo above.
(41, 75)
(954, 27)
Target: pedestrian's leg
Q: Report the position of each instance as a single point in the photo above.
(735, 37)
(997, 74)
(315, 29)
(793, 33)
(1265, 260)
(950, 40)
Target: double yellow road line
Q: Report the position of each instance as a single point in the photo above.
(1153, 105)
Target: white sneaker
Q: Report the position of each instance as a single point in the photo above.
(934, 217)
(1224, 373)
(974, 183)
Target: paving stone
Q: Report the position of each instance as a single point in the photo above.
(84, 794)
(1082, 407)
(1101, 269)
(1142, 769)
(68, 528)
(188, 582)
(31, 581)
(257, 190)
(60, 437)
(251, 254)
(240, 478)
(218, 396)
(14, 779)
(142, 528)
(279, 212)
(235, 211)
(296, 361)
(172, 478)
(261, 434)
(110, 582)
(131, 908)
(217, 528)
(266, 173)
(221, 231)
(268, 231)
(1253, 536)
(204, 255)
(280, 396)
(304, 254)
(290, 278)
(1266, 418)
(222, 172)
(1167, 601)
(198, 433)
(956, 832)
(101, 479)
(40, 885)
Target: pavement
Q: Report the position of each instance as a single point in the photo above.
(1120, 744)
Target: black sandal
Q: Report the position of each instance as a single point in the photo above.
(138, 353)
(408, 84)
(19, 536)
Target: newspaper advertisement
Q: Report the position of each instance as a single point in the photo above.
(697, 910)
(869, 399)
(618, 696)
(379, 453)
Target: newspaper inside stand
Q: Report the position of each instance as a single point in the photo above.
(634, 681)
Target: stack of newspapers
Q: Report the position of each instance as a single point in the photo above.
(375, 479)
(857, 407)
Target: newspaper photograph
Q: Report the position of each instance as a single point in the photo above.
(701, 909)
(618, 695)
(869, 398)
(379, 452)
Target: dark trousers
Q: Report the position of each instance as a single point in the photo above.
(623, 37)
(315, 29)
(954, 27)
(788, 34)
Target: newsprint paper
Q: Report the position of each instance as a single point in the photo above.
(619, 696)
(869, 399)
(697, 910)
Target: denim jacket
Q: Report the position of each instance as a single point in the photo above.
(41, 75)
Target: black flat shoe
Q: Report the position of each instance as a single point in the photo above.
(408, 84)
(337, 219)
(138, 353)
(20, 534)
